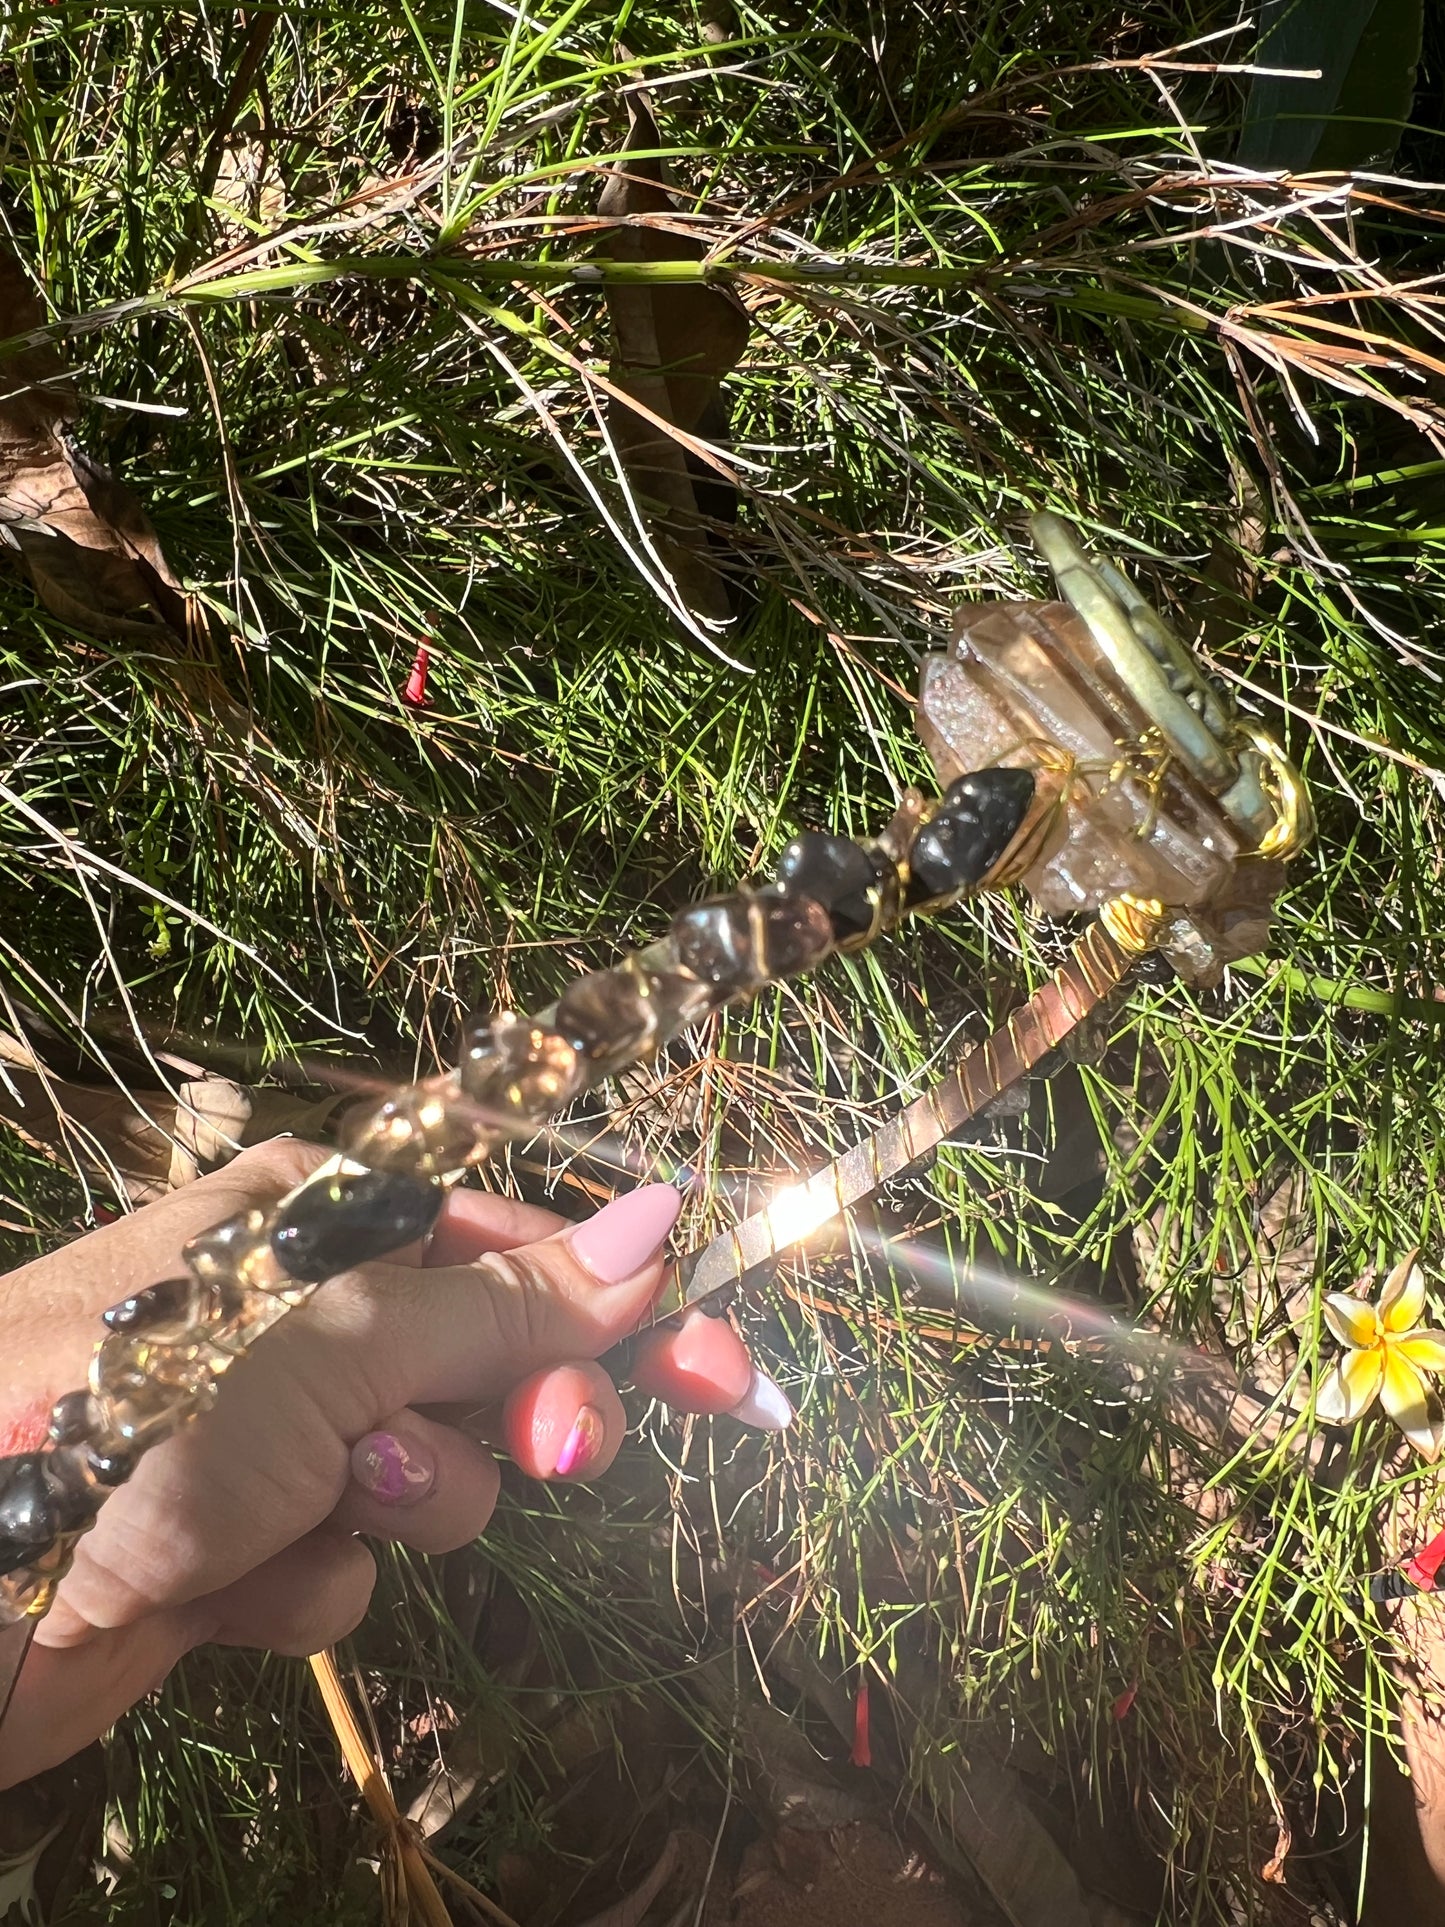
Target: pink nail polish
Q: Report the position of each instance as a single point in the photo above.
(618, 1242)
(390, 1470)
(582, 1444)
(764, 1404)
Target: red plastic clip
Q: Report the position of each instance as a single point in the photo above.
(1421, 1570)
(862, 1754)
(414, 695)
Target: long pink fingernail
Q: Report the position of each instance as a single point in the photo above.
(582, 1444)
(391, 1470)
(624, 1234)
(764, 1404)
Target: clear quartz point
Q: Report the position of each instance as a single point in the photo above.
(1026, 685)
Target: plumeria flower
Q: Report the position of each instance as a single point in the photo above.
(1388, 1355)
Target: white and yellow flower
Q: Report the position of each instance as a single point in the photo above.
(1388, 1355)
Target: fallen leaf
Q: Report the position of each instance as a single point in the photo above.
(144, 1141)
(632, 1910)
(672, 348)
(92, 555)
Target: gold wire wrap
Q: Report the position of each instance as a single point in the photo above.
(1294, 822)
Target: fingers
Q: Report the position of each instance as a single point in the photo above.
(66, 1698)
(701, 1365)
(309, 1596)
(424, 1485)
(473, 1223)
(567, 1423)
(390, 1337)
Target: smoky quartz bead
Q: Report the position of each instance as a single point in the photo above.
(979, 817)
(608, 1016)
(715, 942)
(838, 873)
(520, 1069)
(742, 942)
(424, 1132)
(111, 1467)
(797, 934)
(347, 1218)
(223, 1257)
(168, 1303)
(36, 1509)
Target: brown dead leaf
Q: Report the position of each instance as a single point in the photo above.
(672, 349)
(92, 554)
(146, 1142)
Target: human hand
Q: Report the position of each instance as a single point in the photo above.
(242, 1528)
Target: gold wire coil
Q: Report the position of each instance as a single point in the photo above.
(1294, 816)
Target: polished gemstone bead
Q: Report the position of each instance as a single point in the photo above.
(74, 1418)
(111, 1468)
(608, 1016)
(35, 1509)
(349, 1216)
(144, 1389)
(235, 1258)
(675, 995)
(838, 873)
(979, 817)
(718, 944)
(172, 1302)
(425, 1132)
(741, 942)
(797, 934)
(520, 1070)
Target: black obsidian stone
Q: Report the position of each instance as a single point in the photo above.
(836, 872)
(348, 1219)
(978, 818)
(158, 1304)
(714, 941)
(35, 1509)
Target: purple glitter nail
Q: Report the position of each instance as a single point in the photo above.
(582, 1443)
(390, 1470)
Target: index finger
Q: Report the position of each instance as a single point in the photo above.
(472, 1224)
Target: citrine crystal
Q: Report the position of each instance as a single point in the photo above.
(144, 1389)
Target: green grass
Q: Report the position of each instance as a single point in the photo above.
(1020, 308)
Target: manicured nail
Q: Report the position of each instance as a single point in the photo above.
(764, 1404)
(624, 1234)
(582, 1444)
(391, 1470)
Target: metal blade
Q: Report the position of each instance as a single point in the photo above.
(1096, 965)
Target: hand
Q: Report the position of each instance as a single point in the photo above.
(242, 1528)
